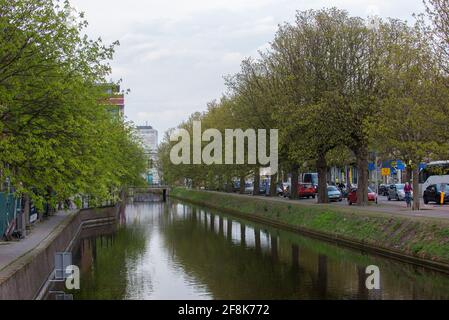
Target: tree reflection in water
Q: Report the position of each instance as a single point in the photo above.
(179, 251)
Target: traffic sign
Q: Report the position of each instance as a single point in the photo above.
(386, 171)
(400, 165)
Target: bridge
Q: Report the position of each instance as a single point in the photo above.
(137, 192)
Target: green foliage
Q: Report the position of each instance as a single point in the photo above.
(338, 87)
(437, 12)
(57, 139)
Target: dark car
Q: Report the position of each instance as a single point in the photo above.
(383, 189)
(433, 193)
(343, 189)
(249, 188)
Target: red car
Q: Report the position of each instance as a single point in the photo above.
(306, 190)
(352, 196)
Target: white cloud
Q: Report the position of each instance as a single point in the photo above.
(372, 10)
(232, 57)
(174, 53)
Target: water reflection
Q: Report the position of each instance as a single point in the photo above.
(179, 251)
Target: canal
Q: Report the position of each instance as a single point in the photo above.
(176, 250)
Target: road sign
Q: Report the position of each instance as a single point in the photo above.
(386, 172)
(371, 166)
(400, 165)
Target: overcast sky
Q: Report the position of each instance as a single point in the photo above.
(174, 53)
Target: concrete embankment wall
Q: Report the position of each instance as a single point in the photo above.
(416, 240)
(24, 278)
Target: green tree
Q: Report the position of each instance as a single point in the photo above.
(412, 123)
(57, 139)
(438, 13)
(327, 60)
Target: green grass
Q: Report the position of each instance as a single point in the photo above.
(424, 238)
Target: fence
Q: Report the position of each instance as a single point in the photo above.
(9, 206)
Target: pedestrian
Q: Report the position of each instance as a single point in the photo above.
(408, 194)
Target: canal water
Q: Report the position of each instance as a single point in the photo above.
(178, 251)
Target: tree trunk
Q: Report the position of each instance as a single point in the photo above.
(294, 182)
(229, 185)
(362, 176)
(256, 190)
(242, 185)
(408, 173)
(273, 185)
(416, 193)
(220, 183)
(26, 214)
(322, 179)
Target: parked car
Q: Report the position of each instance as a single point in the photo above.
(307, 190)
(433, 193)
(383, 189)
(263, 187)
(334, 194)
(396, 191)
(352, 196)
(236, 186)
(249, 188)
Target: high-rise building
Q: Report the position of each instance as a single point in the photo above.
(149, 138)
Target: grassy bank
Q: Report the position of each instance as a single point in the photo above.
(418, 240)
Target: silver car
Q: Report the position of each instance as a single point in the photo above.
(396, 192)
(334, 194)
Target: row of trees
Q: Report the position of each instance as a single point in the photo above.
(57, 137)
(336, 87)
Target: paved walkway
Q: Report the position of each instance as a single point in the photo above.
(400, 207)
(10, 251)
(384, 206)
